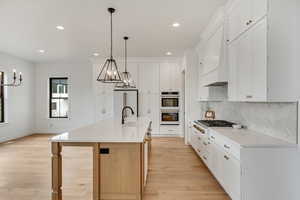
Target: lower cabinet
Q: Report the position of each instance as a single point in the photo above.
(222, 164)
(120, 171)
(249, 173)
(124, 170)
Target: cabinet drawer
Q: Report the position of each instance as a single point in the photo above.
(169, 129)
(226, 144)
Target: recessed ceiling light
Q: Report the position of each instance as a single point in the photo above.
(41, 51)
(175, 24)
(169, 53)
(60, 27)
(96, 54)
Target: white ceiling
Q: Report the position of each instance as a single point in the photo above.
(29, 25)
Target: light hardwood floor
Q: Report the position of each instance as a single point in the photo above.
(176, 173)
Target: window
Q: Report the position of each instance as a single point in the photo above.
(1, 97)
(59, 98)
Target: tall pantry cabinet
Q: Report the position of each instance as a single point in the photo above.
(263, 50)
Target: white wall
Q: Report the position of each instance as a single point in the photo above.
(80, 96)
(20, 101)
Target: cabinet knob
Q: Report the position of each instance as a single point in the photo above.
(226, 146)
(226, 157)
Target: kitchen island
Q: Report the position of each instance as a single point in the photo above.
(120, 157)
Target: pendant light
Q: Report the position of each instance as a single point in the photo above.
(126, 76)
(109, 72)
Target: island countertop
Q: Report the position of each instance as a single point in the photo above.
(109, 130)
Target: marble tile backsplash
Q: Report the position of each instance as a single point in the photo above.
(274, 119)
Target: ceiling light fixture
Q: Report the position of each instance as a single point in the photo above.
(60, 27)
(169, 53)
(175, 24)
(41, 51)
(109, 72)
(96, 54)
(126, 76)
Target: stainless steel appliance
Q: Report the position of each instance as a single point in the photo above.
(169, 117)
(125, 97)
(214, 123)
(170, 100)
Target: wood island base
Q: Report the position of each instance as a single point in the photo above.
(119, 169)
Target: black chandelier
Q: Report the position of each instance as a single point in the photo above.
(109, 72)
(14, 83)
(126, 76)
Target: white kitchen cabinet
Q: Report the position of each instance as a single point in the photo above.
(170, 79)
(243, 14)
(254, 167)
(248, 65)
(149, 78)
(103, 101)
(149, 107)
(263, 57)
(231, 172)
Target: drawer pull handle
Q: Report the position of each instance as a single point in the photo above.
(226, 157)
(212, 137)
(249, 96)
(199, 129)
(205, 143)
(226, 146)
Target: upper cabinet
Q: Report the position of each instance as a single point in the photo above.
(170, 77)
(248, 65)
(149, 78)
(263, 51)
(243, 14)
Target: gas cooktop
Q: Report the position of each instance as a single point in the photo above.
(215, 123)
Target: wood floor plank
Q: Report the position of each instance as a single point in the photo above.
(176, 173)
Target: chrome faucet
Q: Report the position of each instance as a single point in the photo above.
(123, 113)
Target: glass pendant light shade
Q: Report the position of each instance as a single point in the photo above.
(127, 81)
(109, 72)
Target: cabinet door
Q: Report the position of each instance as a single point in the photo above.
(248, 65)
(213, 161)
(149, 107)
(258, 72)
(244, 68)
(120, 170)
(149, 78)
(232, 174)
(165, 77)
(175, 79)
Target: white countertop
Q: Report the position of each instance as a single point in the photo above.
(110, 130)
(249, 138)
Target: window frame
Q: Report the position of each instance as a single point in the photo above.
(50, 97)
(2, 100)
